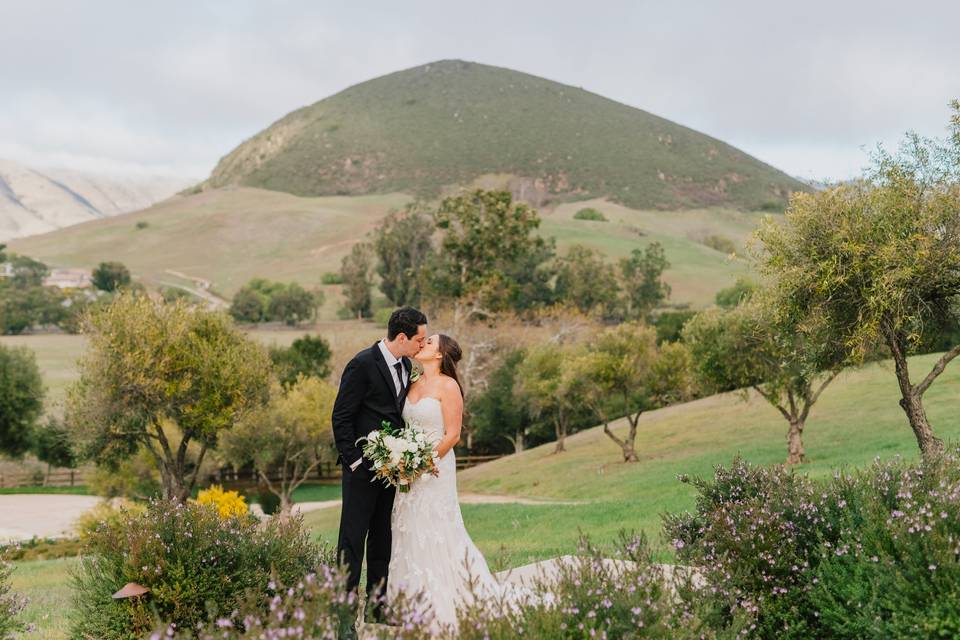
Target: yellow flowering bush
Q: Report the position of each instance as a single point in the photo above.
(228, 503)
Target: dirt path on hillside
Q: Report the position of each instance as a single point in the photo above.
(202, 289)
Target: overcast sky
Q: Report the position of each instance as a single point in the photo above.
(169, 87)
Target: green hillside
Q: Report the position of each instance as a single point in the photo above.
(227, 236)
(857, 419)
(453, 122)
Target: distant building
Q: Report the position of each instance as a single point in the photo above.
(6, 270)
(68, 279)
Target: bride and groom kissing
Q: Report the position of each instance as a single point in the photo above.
(415, 542)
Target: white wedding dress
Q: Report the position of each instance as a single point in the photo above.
(432, 554)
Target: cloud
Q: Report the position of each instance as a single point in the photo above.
(175, 86)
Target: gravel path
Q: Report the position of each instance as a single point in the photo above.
(23, 516)
(465, 498)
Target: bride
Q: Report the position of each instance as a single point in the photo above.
(431, 553)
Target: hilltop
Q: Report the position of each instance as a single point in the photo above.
(452, 123)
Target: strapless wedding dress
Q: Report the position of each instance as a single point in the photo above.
(431, 553)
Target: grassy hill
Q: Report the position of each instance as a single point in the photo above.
(453, 122)
(230, 235)
(857, 419)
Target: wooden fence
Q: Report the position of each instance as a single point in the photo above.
(56, 478)
(227, 476)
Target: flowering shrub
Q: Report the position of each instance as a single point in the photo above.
(195, 563)
(10, 603)
(592, 597)
(318, 606)
(227, 503)
(895, 571)
(873, 554)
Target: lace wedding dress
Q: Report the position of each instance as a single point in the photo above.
(432, 554)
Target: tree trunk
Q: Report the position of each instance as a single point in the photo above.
(911, 399)
(626, 445)
(561, 432)
(930, 444)
(795, 452)
(286, 507)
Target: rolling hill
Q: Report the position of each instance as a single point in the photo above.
(229, 235)
(33, 201)
(452, 122)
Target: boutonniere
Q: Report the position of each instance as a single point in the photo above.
(416, 370)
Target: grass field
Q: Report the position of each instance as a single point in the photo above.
(57, 354)
(46, 584)
(226, 237)
(289, 238)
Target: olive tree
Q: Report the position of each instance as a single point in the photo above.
(624, 373)
(163, 376)
(288, 437)
(877, 262)
(744, 348)
(544, 380)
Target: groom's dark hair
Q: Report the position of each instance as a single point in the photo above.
(405, 320)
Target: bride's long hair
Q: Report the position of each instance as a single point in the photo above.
(452, 353)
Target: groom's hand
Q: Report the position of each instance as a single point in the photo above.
(355, 465)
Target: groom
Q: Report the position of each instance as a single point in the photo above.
(373, 388)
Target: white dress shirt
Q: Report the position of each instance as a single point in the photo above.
(391, 365)
(398, 384)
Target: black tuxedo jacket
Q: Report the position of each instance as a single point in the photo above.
(366, 398)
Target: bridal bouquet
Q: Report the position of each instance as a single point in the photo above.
(399, 456)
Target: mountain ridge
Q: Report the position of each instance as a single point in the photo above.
(34, 201)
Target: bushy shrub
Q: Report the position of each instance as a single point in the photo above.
(229, 504)
(11, 604)
(872, 554)
(719, 243)
(592, 597)
(196, 564)
(269, 501)
(589, 213)
(317, 605)
(331, 277)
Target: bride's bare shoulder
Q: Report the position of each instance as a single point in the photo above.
(449, 386)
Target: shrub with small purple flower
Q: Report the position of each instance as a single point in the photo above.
(868, 554)
(196, 564)
(594, 596)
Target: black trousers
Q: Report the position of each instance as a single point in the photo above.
(365, 521)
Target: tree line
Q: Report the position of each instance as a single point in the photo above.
(480, 254)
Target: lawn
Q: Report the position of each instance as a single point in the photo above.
(46, 584)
